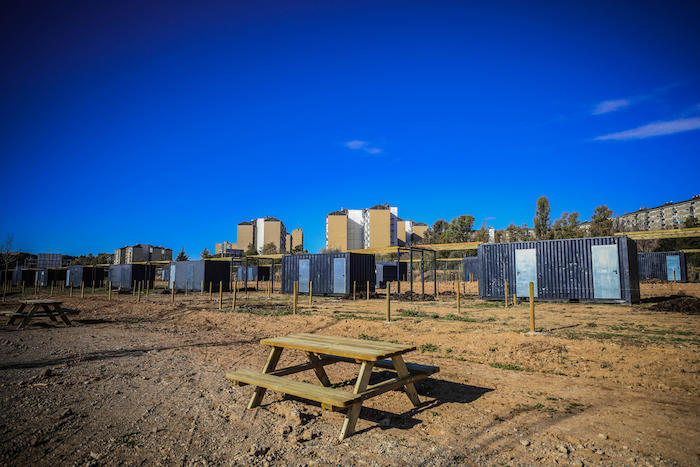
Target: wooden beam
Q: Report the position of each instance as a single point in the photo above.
(661, 234)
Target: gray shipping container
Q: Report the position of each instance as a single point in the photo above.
(190, 274)
(331, 273)
(386, 272)
(662, 265)
(255, 273)
(49, 260)
(599, 269)
(77, 274)
(45, 277)
(470, 268)
(123, 276)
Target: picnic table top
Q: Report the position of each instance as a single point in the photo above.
(341, 346)
(41, 301)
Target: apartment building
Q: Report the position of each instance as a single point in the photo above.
(261, 231)
(667, 216)
(140, 253)
(375, 227)
(294, 240)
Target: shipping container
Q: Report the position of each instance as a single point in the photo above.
(331, 273)
(386, 272)
(122, 276)
(22, 274)
(49, 260)
(599, 269)
(46, 277)
(470, 268)
(77, 274)
(665, 265)
(165, 274)
(255, 273)
(192, 274)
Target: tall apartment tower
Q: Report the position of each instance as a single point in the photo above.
(376, 227)
(139, 253)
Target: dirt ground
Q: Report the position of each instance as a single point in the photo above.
(144, 383)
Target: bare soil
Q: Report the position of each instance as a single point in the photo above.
(143, 383)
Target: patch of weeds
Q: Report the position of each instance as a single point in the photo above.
(592, 325)
(506, 366)
(493, 349)
(367, 337)
(606, 365)
(448, 350)
(520, 408)
(491, 318)
(552, 398)
(429, 348)
(453, 317)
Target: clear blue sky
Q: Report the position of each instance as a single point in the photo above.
(170, 123)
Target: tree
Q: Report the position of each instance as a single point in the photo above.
(690, 222)
(567, 226)
(182, 256)
(298, 249)
(460, 229)
(542, 219)
(481, 235)
(205, 253)
(269, 249)
(437, 233)
(251, 250)
(601, 222)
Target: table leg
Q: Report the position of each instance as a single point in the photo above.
(270, 365)
(49, 313)
(62, 314)
(27, 317)
(320, 372)
(402, 371)
(354, 411)
(22, 306)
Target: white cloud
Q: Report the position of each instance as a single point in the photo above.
(654, 129)
(610, 106)
(357, 144)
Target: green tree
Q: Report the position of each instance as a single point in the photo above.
(690, 222)
(567, 226)
(542, 219)
(460, 229)
(438, 232)
(269, 249)
(601, 222)
(298, 249)
(205, 253)
(251, 250)
(182, 256)
(481, 235)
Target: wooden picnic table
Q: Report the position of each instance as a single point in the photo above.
(325, 350)
(37, 308)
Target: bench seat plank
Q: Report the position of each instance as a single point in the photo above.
(326, 396)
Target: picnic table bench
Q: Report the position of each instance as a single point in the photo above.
(326, 350)
(37, 308)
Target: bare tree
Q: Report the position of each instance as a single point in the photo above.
(6, 253)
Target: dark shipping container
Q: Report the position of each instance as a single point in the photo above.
(470, 268)
(662, 265)
(255, 273)
(77, 274)
(123, 276)
(599, 269)
(25, 275)
(386, 272)
(191, 274)
(331, 273)
(46, 277)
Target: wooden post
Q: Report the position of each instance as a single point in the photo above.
(210, 291)
(221, 293)
(22, 287)
(147, 287)
(109, 291)
(388, 301)
(233, 300)
(201, 290)
(532, 307)
(138, 293)
(515, 299)
(354, 290)
(51, 292)
(186, 287)
(311, 292)
(71, 291)
(93, 287)
(368, 291)
(172, 292)
(296, 293)
(82, 289)
(674, 276)
(506, 294)
(459, 306)
(133, 290)
(36, 288)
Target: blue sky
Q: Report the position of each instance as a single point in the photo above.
(170, 123)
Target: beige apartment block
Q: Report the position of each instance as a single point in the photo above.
(401, 231)
(337, 231)
(297, 239)
(419, 230)
(245, 235)
(141, 253)
(271, 230)
(667, 216)
(379, 227)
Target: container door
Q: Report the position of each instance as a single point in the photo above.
(172, 276)
(606, 272)
(673, 266)
(304, 275)
(339, 276)
(525, 271)
(190, 278)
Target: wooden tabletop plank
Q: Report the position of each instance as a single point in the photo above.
(341, 346)
(41, 301)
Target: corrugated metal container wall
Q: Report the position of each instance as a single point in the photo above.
(123, 276)
(386, 272)
(77, 274)
(599, 269)
(21, 274)
(331, 273)
(662, 265)
(46, 277)
(192, 274)
(470, 268)
(49, 260)
(254, 273)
